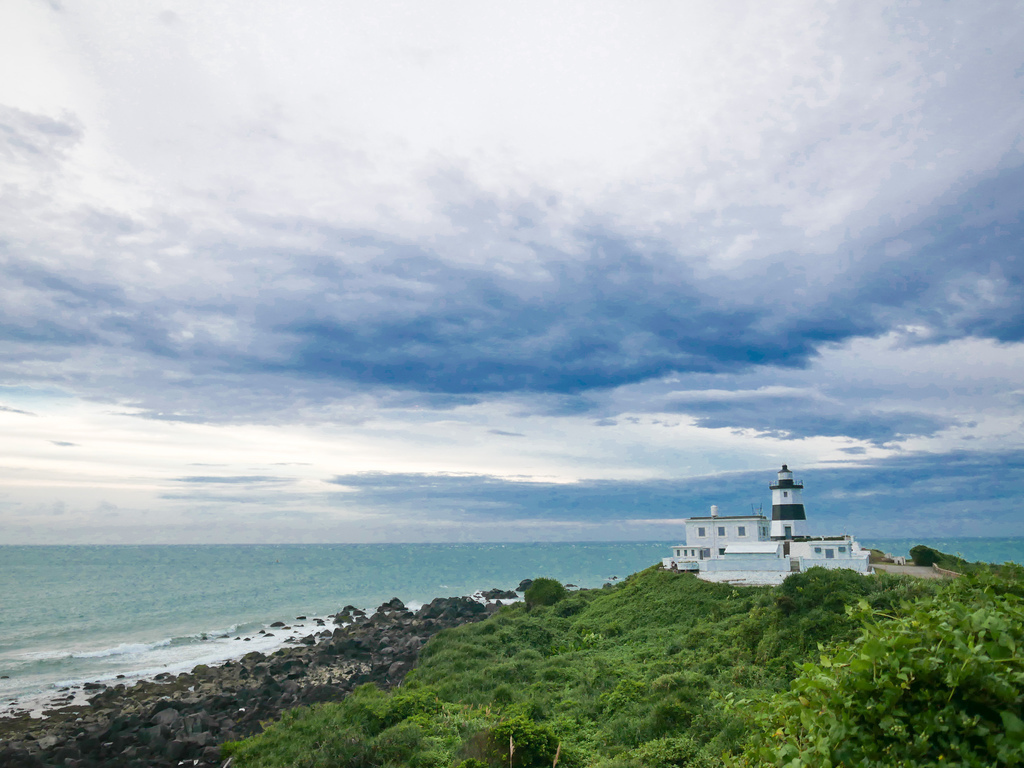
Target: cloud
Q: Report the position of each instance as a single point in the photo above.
(63, 443)
(232, 479)
(960, 494)
(7, 409)
(716, 233)
(802, 415)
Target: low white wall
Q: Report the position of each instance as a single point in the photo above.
(749, 578)
(854, 564)
(747, 563)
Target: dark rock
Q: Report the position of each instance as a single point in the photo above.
(161, 722)
(277, 624)
(168, 717)
(524, 585)
(174, 750)
(499, 594)
(211, 755)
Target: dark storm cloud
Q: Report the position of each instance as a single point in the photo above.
(615, 318)
(965, 494)
(795, 416)
(626, 313)
(407, 321)
(962, 270)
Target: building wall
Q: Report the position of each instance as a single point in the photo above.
(754, 530)
(853, 563)
(747, 563)
(749, 578)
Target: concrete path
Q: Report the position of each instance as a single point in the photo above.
(909, 570)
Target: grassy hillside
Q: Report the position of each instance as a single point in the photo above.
(647, 673)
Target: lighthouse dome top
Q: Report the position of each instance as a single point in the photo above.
(785, 479)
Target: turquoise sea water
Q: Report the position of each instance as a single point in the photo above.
(994, 550)
(71, 614)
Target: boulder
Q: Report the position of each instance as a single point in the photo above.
(524, 585)
(499, 594)
(168, 717)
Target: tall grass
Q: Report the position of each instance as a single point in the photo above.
(625, 676)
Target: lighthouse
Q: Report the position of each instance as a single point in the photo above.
(788, 517)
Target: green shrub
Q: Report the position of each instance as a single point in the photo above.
(622, 677)
(533, 745)
(503, 694)
(405, 703)
(677, 752)
(545, 592)
(398, 745)
(942, 684)
(925, 556)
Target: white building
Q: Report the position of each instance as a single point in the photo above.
(750, 549)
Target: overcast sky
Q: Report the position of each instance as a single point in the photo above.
(467, 271)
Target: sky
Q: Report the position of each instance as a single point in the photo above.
(542, 271)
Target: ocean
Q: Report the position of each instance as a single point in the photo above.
(76, 614)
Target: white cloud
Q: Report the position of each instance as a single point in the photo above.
(173, 178)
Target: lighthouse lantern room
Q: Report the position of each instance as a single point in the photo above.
(789, 520)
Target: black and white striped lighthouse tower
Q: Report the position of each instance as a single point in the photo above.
(788, 517)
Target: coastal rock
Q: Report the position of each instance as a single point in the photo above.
(174, 718)
(499, 594)
(166, 717)
(524, 585)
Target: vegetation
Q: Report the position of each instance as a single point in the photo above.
(939, 684)
(544, 591)
(666, 670)
(925, 556)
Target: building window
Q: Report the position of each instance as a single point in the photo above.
(721, 550)
(721, 530)
(817, 550)
(700, 532)
(829, 554)
(842, 549)
(742, 530)
(785, 494)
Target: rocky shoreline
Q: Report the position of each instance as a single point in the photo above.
(175, 720)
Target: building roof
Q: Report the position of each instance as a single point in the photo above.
(753, 548)
(729, 517)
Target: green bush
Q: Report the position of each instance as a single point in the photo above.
(925, 556)
(532, 745)
(941, 684)
(630, 677)
(545, 592)
(678, 752)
